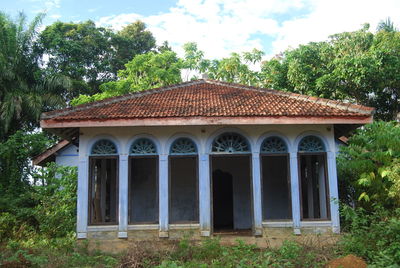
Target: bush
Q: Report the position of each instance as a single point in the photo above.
(375, 236)
(369, 166)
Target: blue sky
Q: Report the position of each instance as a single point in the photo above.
(221, 27)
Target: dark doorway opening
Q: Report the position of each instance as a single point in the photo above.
(231, 186)
(222, 200)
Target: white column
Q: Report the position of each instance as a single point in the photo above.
(333, 192)
(123, 197)
(82, 200)
(294, 188)
(257, 201)
(204, 195)
(163, 195)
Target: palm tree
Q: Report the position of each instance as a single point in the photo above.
(25, 91)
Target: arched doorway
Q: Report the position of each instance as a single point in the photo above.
(231, 183)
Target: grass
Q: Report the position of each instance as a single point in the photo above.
(210, 253)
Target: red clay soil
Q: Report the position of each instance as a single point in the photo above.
(349, 261)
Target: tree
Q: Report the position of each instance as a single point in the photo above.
(357, 66)
(369, 165)
(386, 25)
(145, 71)
(234, 69)
(25, 90)
(91, 55)
(80, 51)
(132, 40)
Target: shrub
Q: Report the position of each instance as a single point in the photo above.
(375, 236)
(370, 165)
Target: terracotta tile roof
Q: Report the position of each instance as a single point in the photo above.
(208, 98)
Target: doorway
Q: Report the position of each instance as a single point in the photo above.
(231, 186)
(222, 200)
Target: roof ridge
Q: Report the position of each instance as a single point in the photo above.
(331, 103)
(111, 100)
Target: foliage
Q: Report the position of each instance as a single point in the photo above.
(375, 235)
(56, 197)
(91, 55)
(234, 69)
(370, 164)
(357, 66)
(145, 71)
(132, 40)
(25, 91)
(55, 252)
(212, 254)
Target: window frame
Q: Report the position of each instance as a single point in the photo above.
(327, 188)
(197, 209)
(287, 155)
(92, 159)
(144, 156)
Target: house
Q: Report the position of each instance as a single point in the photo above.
(206, 156)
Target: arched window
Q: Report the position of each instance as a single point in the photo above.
(143, 146)
(143, 182)
(183, 146)
(183, 167)
(311, 144)
(104, 147)
(230, 143)
(313, 179)
(275, 179)
(103, 183)
(273, 145)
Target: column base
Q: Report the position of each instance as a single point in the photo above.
(336, 229)
(81, 235)
(297, 231)
(163, 234)
(258, 232)
(123, 235)
(205, 233)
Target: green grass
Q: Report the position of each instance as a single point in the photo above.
(66, 252)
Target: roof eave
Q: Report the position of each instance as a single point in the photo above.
(194, 121)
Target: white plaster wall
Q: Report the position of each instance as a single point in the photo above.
(203, 137)
(68, 156)
(123, 136)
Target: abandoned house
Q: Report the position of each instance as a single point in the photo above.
(205, 156)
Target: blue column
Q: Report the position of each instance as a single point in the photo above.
(294, 188)
(82, 200)
(204, 195)
(257, 201)
(123, 197)
(163, 195)
(333, 192)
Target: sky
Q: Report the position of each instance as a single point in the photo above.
(221, 27)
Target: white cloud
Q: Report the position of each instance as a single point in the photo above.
(220, 27)
(330, 17)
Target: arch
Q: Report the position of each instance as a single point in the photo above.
(104, 147)
(321, 137)
(143, 146)
(92, 141)
(230, 143)
(183, 146)
(311, 144)
(274, 145)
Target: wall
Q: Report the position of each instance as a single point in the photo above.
(68, 156)
(202, 136)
